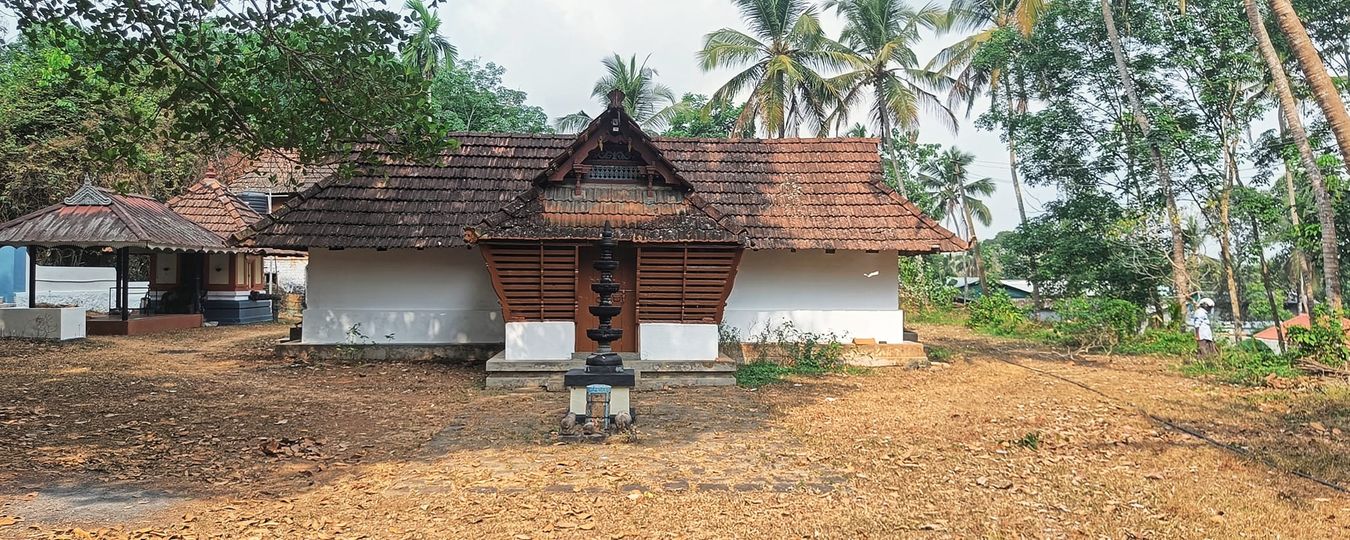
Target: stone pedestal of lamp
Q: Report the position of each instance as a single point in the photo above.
(599, 394)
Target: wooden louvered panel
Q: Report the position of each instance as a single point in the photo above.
(534, 282)
(686, 284)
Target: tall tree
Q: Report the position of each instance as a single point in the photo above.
(1180, 278)
(696, 116)
(471, 97)
(947, 179)
(316, 78)
(426, 51)
(991, 21)
(879, 36)
(1315, 73)
(782, 62)
(651, 104)
(1326, 216)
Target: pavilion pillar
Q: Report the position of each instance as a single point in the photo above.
(123, 281)
(32, 276)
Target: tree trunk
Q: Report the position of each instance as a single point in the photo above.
(1315, 72)
(974, 243)
(1020, 107)
(883, 116)
(1331, 268)
(1266, 281)
(1180, 278)
(1298, 259)
(1225, 241)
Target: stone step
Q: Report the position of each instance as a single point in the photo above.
(553, 382)
(651, 374)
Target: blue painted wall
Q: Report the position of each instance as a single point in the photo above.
(13, 272)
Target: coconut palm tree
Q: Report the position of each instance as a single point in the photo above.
(985, 19)
(651, 104)
(947, 179)
(781, 57)
(427, 51)
(1315, 72)
(879, 38)
(1326, 217)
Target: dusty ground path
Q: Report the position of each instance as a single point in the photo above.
(247, 445)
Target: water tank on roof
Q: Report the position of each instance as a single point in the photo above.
(257, 201)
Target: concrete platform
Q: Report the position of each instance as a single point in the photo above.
(139, 325)
(651, 374)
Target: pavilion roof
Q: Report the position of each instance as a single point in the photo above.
(98, 217)
(208, 203)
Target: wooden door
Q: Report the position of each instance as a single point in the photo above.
(626, 275)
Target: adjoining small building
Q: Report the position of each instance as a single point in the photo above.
(193, 271)
(1271, 338)
(971, 289)
(489, 249)
(267, 182)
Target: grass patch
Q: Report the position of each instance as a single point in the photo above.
(760, 373)
(1161, 343)
(1243, 367)
(1030, 441)
(938, 353)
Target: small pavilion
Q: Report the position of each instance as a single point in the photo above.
(187, 258)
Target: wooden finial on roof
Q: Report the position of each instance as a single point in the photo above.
(616, 98)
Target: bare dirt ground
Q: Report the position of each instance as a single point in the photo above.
(204, 434)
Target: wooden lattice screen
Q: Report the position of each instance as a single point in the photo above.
(686, 284)
(534, 282)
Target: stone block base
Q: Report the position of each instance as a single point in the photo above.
(458, 352)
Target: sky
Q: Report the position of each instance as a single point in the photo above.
(551, 50)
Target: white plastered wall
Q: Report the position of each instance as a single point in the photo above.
(89, 287)
(400, 296)
(851, 294)
(677, 341)
(540, 340)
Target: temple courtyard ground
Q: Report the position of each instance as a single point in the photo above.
(205, 434)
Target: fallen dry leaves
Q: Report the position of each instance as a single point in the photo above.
(264, 447)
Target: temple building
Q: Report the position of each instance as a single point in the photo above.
(490, 248)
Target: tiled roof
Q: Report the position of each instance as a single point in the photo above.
(97, 217)
(271, 172)
(1301, 321)
(787, 193)
(210, 205)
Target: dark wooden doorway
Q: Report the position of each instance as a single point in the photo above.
(626, 275)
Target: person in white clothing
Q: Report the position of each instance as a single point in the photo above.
(1204, 333)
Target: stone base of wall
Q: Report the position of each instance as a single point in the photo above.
(461, 352)
(908, 354)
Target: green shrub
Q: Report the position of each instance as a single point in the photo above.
(1323, 342)
(786, 350)
(996, 312)
(1160, 342)
(1096, 323)
(1249, 363)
